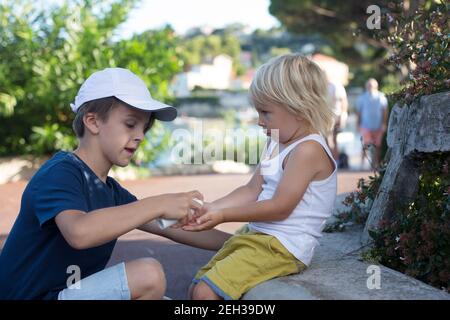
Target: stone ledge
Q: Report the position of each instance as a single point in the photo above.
(337, 274)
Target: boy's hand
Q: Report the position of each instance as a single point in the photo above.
(179, 205)
(207, 221)
(191, 219)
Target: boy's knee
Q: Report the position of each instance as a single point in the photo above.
(204, 292)
(147, 278)
(153, 275)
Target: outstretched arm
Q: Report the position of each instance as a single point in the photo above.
(243, 195)
(100, 226)
(209, 240)
(212, 239)
(303, 165)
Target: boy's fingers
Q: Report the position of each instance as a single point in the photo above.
(195, 205)
(203, 219)
(180, 223)
(196, 194)
(197, 214)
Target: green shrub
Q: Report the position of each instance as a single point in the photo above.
(50, 137)
(46, 52)
(416, 240)
(419, 44)
(358, 203)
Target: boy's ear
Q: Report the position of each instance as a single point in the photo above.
(90, 121)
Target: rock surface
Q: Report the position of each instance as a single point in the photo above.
(424, 126)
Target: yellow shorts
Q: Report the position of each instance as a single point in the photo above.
(245, 260)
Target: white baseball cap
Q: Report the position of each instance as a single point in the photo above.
(125, 86)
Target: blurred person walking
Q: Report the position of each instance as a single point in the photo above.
(371, 108)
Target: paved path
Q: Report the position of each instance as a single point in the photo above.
(180, 262)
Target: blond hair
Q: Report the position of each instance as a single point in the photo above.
(298, 84)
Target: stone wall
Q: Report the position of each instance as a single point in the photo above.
(424, 126)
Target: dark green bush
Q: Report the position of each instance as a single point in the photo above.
(414, 37)
(358, 203)
(46, 52)
(416, 240)
(420, 45)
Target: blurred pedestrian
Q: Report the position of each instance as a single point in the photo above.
(372, 114)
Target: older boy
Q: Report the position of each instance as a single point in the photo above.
(72, 213)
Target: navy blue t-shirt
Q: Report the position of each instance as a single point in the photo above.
(35, 259)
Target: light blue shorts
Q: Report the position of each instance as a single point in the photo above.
(108, 284)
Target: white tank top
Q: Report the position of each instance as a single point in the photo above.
(299, 233)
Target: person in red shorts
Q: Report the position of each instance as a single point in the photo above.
(372, 113)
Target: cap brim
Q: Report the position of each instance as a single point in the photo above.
(162, 111)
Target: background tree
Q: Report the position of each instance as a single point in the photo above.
(46, 54)
(201, 48)
(343, 23)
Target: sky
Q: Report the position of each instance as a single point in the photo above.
(185, 14)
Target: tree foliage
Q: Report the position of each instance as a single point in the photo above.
(338, 21)
(419, 44)
(203, 48)
(344, 24)
(47, 53)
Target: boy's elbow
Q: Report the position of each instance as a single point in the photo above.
(78, 244)
(77, 238)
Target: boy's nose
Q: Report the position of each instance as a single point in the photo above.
(139, 137)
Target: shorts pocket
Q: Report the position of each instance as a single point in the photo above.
(280, 252)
